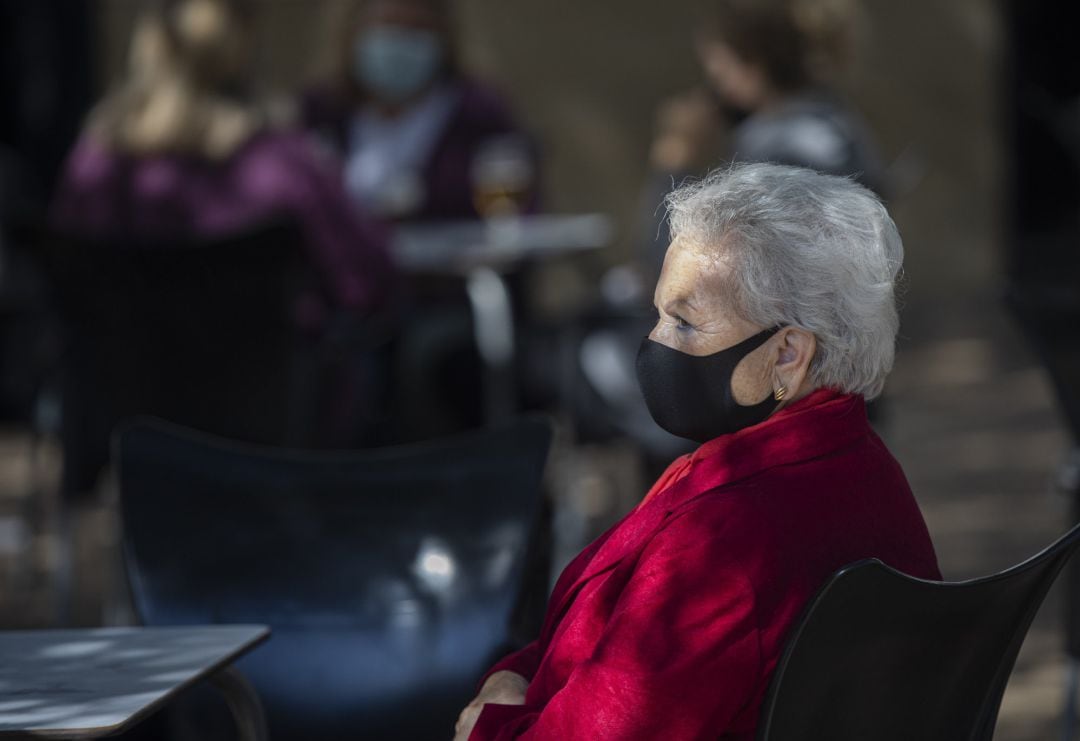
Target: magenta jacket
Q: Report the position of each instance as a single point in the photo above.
(670, 625)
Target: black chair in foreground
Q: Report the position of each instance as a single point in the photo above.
(389, 576)
(198, 331)
(885, 657)
(1048, 312)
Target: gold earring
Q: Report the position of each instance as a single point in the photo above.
(780, 393)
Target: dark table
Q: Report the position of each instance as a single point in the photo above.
(98, 682)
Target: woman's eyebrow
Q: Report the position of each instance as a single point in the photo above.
(669, 302)
(686, 301)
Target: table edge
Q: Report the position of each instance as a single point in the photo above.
(263, 634)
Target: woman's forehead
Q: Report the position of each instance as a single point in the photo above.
(693, 274)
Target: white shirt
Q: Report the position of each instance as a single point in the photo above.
(386, 156)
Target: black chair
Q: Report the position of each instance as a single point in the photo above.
(389, 577)
(883, 656)
(1047, 309)
(200, 332)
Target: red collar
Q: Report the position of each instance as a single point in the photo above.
(824, 421)
(821, 423)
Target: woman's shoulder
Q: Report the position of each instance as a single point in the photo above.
(754, 514)
(279, 142)
(724, 521)
(817, 130)
(91, 161)
(285, 156)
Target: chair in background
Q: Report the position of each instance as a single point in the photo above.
(388, 576)
(883, 656)
(202, 333)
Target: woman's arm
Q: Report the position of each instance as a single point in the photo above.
(679, 658)
(523, 662)
(500, 688)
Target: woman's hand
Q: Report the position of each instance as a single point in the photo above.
(501, 688)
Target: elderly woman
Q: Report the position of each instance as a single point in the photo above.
(777, 320)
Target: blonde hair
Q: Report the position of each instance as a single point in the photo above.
(184, 55)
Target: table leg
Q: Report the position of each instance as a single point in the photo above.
(493, 326)
(244, 703)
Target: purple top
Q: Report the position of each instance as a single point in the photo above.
(275, 174)
(479, 116)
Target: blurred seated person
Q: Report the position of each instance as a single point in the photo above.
(770, 67)
(777, 321)
(180, 151)
(423, 142)
(421, 139)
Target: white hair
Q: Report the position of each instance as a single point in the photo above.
(806, 250)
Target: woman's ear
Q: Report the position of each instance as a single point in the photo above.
(795, 351)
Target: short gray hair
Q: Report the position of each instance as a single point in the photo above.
(807, 250)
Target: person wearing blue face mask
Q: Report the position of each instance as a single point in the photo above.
(409, 123)
(397, 63)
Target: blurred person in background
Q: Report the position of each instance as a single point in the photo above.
(769, 96)
(423, 143)
(181, 150)
(770, 68)
(422, 140)
(777, 321)
(771, 71)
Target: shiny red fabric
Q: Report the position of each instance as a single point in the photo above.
(670, 624)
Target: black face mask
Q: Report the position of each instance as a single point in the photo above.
(690, 396)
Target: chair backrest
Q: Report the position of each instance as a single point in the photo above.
(200, 332)
(884, 656)
(388, 576)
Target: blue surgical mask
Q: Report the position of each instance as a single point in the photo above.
(396, 63)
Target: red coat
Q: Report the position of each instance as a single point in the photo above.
(670, 624)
